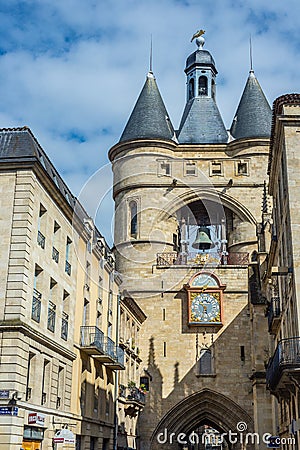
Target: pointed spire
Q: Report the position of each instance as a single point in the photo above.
(253, 116)
(149, 118)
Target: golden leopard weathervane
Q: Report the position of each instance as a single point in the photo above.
(197, 34)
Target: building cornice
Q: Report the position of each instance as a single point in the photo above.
(131, 145)
(131, 304)
(18, 325)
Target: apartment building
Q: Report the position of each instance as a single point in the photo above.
(59, 308)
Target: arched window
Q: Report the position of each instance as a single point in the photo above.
(213, 89)
(205, 362)
(191, 88)
(133, 218)
(202, 86)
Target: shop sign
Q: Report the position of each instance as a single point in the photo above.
(64, 436)
(36, 419)
(9, 411)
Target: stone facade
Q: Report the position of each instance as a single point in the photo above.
(59, 309)
(280, 273)
(165, 192)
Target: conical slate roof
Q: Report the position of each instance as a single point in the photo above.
(149, 118)
(201, 123)
(253, 116)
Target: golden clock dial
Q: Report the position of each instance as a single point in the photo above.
(205, 307)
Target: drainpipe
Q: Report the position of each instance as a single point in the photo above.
(116, 423)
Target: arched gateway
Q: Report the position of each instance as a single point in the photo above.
(205, 407)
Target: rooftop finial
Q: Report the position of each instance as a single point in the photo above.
(251, 59)
(200, 41)
(151, 54)
(150, 73)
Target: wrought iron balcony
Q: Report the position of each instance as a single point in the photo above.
(102, 348)
(202, 258)
(274, 314)
(284, 364)
(92, 340)
(114, 355)
(133, 394)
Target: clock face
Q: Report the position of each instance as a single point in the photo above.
(205, 307)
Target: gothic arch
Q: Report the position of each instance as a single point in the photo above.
(220, 198)
(205, 406)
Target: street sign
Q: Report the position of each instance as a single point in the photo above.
(9, 411)
(4, 394)
(36, 419)
(64, 436)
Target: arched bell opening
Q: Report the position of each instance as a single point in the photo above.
(209, 231)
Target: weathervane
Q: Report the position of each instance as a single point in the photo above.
(197, 34)
(200, 41)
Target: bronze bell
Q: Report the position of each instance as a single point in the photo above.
(203, 241)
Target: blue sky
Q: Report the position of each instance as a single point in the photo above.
(71, 70)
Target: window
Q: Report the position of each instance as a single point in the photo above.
(145, 382)
(87, 276)
(202, 86)
(205, 362)
(45, 381)
(213, 89)
(30, 376)
(55, 252)
(164, 168)
(133, 218)
(51, 316)
(86, 312)
(41, 226)
(242, 168)
(64, 326)
(191, 88)
(68, 265)
(60, 387)
(190, 169)
(216, 168)
(37, 296)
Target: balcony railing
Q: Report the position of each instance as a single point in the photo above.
(92, 339)
(202, 258)
(41, 239)
(286, 359)
(133, 394)
(274, 314)
(101, 348)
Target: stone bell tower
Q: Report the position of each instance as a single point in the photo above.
(187, 211)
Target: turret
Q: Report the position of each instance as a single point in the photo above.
(253, 115)
(149, 118)
(201, 121)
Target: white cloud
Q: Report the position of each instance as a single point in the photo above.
(72, 66)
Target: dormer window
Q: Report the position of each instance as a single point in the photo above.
(191, 88)
(202, 85)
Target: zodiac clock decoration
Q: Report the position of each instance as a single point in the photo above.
(205, 300)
